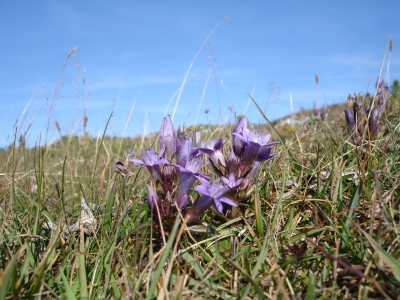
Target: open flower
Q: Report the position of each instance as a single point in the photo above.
(231, 182)
(254, 141)
(215, 151)
(152, 162)
(215, 191)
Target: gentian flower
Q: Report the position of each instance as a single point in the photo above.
(351, 124)
(249, 149)
(357, 120)
(316, 109)
(188, 175)
(153, 201)
(168, 175)
(214, 150)
(198, 208)
(152, 162)
(262, 155)
(321, 112)
(161, 209)
(324, 112)
(382, 92)
(167, 137)
(215, 191)
(185, 152)
(231, 182)
(373, 123)
(254, 141)
(237, 143)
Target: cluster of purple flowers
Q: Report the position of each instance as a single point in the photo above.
(237, 169)
(176, 168)
(358, 119)
(321, 112)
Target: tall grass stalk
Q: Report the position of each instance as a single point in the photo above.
(223, 21)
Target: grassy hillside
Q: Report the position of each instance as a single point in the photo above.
(321, 219)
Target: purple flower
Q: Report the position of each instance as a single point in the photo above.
(183, 201)
(168, 176)
(321, 112)
(231, 182)
(373, 123)
(316, 109)
(153, 201)
(163, 208)
(214, 150)
(264, 154)
(215, 191)
(152, 162)
(324, 112)
(188, 175)
(185, 152)
(248, 180)
(355, 118)
(237, 143)
(198, 208)
(382, 90)
(167, 137)
(360, 118)
(351, 124)
(254, 137)
(152, 197)
(254, 141)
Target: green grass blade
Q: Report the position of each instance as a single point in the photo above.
(96, 160)
(82, 266)
(68, 291)
(352, 205)
(258, 212)
(310, 287)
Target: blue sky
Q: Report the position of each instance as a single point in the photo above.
(134, 56)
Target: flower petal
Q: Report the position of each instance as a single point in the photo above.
(202, 189)
(227, 201)
(136, 161)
